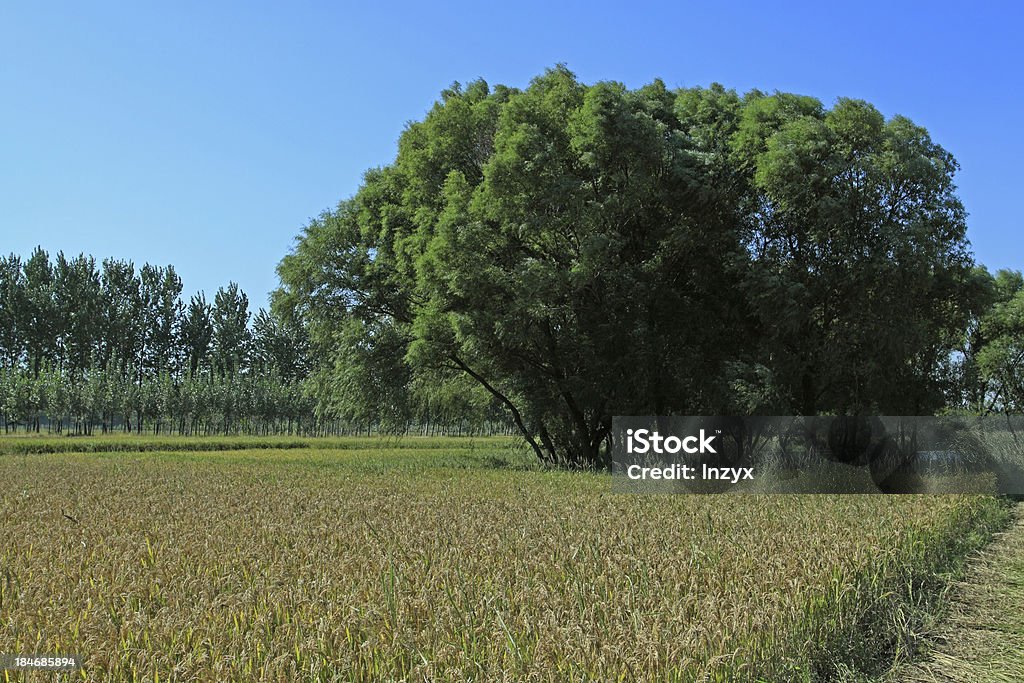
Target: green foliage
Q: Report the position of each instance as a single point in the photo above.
(39, 315)
(196, 333)
(582, 251)
(1001, 358)
(279, 346)
(861, 271)
(12, 307)
(231, 335)
(83, 346)
(109, 400)
(988, 367)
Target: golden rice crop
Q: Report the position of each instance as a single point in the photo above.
(339, 565)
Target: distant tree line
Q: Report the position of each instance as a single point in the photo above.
(90, 346)
(580, 251)
(86, 345)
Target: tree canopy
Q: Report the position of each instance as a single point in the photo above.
(580, 251)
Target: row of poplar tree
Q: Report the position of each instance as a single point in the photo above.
(89, 346)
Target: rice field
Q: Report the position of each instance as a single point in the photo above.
(447, 560)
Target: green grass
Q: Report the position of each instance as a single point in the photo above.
(981, 639)
(125, 443)
(450, 559)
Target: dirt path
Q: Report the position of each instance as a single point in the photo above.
(982, 639)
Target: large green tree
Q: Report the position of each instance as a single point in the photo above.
(585, 251)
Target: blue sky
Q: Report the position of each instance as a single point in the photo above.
(207, 134)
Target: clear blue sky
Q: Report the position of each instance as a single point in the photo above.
(206, 134)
